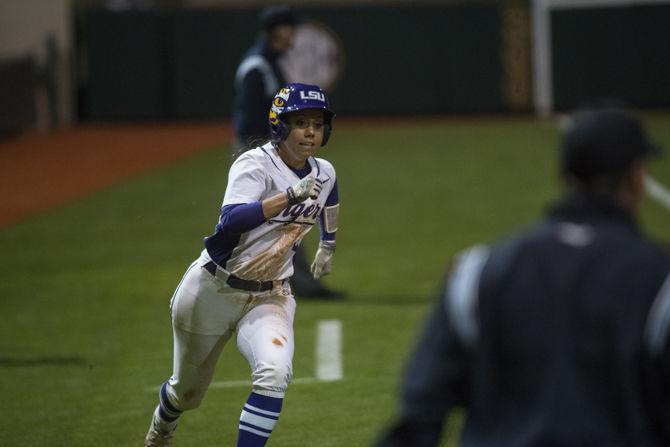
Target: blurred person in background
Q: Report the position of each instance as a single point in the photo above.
(259, 76)
(557, 335)
(257, 79)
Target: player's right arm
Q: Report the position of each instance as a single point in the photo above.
(243, 207)
(274, 205)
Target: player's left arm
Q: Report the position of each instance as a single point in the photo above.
(323, 260)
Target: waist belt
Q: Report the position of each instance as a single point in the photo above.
(238, 283)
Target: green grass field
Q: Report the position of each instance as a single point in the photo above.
(84, 290)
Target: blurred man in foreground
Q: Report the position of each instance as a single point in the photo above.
(558, 335)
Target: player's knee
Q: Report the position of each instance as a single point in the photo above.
(189, 399)
(271, 376)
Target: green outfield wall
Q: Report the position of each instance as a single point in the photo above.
(618, 52)
(397, 59)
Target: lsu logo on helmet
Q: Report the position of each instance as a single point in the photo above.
(319, 96)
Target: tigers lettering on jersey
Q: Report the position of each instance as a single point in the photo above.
(290, 215)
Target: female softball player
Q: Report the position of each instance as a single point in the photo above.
(239, 284)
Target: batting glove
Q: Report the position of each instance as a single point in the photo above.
(323, 261)
(307, 187)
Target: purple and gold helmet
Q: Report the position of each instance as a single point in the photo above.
(296, 97)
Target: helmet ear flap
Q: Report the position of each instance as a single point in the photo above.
(326, 133)
(279, 130)
(283, 129)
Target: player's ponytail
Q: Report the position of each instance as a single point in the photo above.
(240, 147)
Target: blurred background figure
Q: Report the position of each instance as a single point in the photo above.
(257, 79)
(558, 335)
(123, 5)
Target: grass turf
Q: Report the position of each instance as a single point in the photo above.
(85, 289)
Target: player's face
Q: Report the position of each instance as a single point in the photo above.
(281, 38)
(305, 137)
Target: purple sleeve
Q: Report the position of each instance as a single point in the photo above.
(240, 218)
(334, 196)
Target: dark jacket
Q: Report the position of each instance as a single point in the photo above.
(557, 336)
(257, 79)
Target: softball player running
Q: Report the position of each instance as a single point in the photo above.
(239, 284)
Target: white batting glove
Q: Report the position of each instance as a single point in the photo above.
(307, 187)
(323, 261)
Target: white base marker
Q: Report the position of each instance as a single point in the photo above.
(329, 350)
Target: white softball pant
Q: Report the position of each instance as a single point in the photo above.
(205, 314)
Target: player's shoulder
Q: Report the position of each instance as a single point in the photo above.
(325, 166)
(258, 156)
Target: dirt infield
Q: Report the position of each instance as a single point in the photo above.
(39, 172)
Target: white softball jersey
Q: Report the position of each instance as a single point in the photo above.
(266, 252)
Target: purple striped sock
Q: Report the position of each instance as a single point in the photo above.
(257, 420)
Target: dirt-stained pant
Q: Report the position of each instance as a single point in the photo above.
(205, 314)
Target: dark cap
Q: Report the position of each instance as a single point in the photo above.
(276, 15)
(603, 141)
